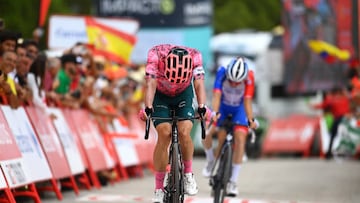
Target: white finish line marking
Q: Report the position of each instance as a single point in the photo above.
(135, 199)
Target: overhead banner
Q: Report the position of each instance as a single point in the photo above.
(65, 31)
(159, 13)
(28, 143)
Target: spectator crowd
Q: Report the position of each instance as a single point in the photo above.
(341, 104)
(76, 79)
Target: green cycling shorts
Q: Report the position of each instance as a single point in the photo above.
(181, 103)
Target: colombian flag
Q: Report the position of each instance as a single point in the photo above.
(113, 44)
(328, 52)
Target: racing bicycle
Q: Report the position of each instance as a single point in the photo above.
(174, 186)
(221, 172)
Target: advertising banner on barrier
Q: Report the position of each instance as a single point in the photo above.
(28, 143)
(144, 148)
(126, 151)
(50, 142)
(17, 172)
(67, 138)
(11, 161)
(2, 181)
(78, 121)
(293, 134)
(110, 162)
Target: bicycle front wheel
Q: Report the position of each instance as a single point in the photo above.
(222, 175)
(175, 185)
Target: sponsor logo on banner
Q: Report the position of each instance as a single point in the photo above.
(28, 143)
(293, 134)
(159, 13)
(67, 138)
(15, 172)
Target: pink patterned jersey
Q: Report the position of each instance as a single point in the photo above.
(155, 69)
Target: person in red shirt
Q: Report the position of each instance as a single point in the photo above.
(338, 103)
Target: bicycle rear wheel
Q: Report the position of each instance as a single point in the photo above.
(175, 186)
(222, 175)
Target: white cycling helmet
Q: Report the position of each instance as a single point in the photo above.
(237, 70)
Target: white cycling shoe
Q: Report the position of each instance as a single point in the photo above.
(232, 189)
(206, 172)
(158, 196)
(190, 185)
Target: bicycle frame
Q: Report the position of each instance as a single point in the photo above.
(174, 188)
(221, 171)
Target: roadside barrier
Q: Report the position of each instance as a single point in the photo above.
(66, 150)
(72, 150)
(15, 157)
(293, 134)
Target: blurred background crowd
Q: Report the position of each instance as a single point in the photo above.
(75, 79)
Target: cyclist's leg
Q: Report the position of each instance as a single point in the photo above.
(239, 149)
(160, 155)
(207, 143)
(209, 151)
(240, 133)
(185, 109)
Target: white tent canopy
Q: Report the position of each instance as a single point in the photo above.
(248, 43)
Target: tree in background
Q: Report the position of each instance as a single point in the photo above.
(23, 16)
(230, 15)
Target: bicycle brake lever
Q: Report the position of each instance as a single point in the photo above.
(147, 128)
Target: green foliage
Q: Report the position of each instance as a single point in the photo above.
(23, 15)
(230, 15)
(18, 16)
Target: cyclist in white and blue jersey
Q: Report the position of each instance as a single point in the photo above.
(232, 94)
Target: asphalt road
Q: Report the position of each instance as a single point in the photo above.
(267, 180)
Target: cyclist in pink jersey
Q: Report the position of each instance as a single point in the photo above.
(172, 74)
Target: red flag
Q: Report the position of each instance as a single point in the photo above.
(44, 7)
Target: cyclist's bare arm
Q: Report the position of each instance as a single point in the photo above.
(216, 103)
(200, 91)
(150, 88)
(249, 112)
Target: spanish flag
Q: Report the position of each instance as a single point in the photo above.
(113, 44)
